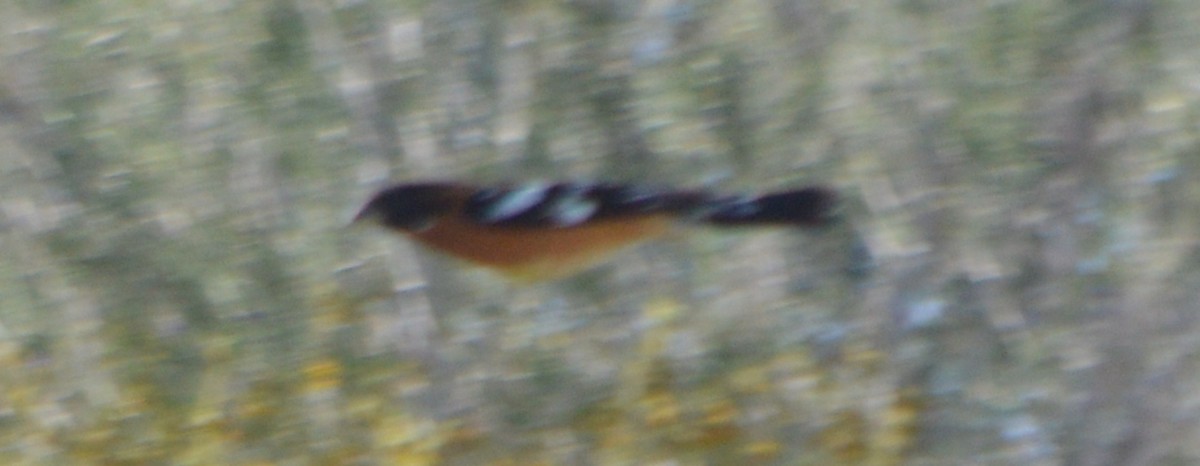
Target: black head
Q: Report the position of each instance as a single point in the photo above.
(411, 207)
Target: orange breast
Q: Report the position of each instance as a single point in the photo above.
(530, 254)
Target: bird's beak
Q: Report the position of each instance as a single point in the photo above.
(363, 216)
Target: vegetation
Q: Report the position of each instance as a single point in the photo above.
(1015, 283)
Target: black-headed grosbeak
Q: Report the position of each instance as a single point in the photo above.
(538, 231)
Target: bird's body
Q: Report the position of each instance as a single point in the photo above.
(540, 231)
(549, 253)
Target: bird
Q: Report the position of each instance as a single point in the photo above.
(541, 230)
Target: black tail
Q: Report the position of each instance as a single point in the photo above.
(807, 207)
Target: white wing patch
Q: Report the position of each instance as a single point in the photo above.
(515, 202)
(738, 207)
(743, 206)
(566, 205)
(645, 199)
(573, 209)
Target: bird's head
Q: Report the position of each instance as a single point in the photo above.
(411, 207)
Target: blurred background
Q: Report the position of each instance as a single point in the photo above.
(1015, 280)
